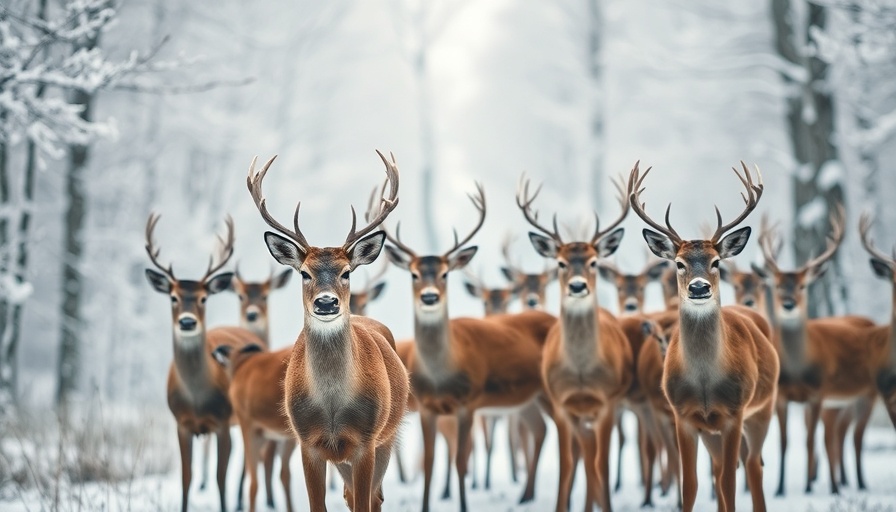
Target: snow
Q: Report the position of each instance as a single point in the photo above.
(163, 492)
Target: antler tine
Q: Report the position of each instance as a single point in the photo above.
(386, 204)
(152, 250)
(225, 250)
(769, 243)
(474, 278)
(478, 201)
(635, 187)
(833, 240)
(751, 199)
(865, 223)
(373, 211)
(524, 202)
(505, 251)
(623, 191)
(253, 183)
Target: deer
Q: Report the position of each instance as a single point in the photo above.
(197, 387)
(256, 394)
(822, 359)
(345, 389)
(531, 287)
(463, 365)
(721, 370)
(587, 365)
(371, 291)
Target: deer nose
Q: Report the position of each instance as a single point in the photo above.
(788, 304)
(187, 323)
(429, 298)
(326, 305)
(698, 289)
(252, 316)
(576, 287)
(532, 302)
(630, 306)
(749, 303)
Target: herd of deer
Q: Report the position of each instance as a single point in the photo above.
(695, 369)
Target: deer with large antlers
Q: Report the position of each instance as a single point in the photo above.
(462, 365)
(345, 387)
(197, 386)
(531, 287)
(587, 364)
(721, 370)
(823, 361)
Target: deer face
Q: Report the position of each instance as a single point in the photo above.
(630, 287)
(325, 274)
(790, 293)
(749, 287)
(577, 265)
(253, 297)
(531, 288)
(358, 300)
(188, 299)
(495, 300)
(429, 277)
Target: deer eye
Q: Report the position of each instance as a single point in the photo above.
(714, 264)
(306, 276)
(241, 297)
(414, 276)
(561, 264)
(680, 265)
(202, 300)
(445, 275)
(345, 275)
(174, 299)
(593, 263)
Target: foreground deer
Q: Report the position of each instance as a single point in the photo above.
(463, 365)
(587, 366)
(256, 394)
(345, 388)
(721, 370)
(822, 359)
(197, 386)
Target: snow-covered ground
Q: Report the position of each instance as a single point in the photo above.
(162, 492)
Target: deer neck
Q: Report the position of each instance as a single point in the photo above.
(793, 337)
(433, 338)
(259, 329)
(191, 361)
(329, 352)
(702, 337)
(579, 333)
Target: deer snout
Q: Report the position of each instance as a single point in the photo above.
(429, 298)
(631, 306)
(749, 303)
(326, 304)
(251, 315)
(699, 289)
(577, 286)
(532, 301)
(187, 323)
(788, 304)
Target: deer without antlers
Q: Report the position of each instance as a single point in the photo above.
(721, 370)
(587, 363)
(462, 365)
(197, 386)
(345, 387)
(822, 359)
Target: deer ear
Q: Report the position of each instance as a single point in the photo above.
(608, 244)
(461, 258)
(222, 355)
(281, 280)
(762, 272)
(219, 283)
(817, 271)
(606, 271)
(285, 251)
(656, 270)
(158, 281)
(398, 258)
(544, 246)
(881, 269)
(471, 289)
(376, 290)
(508, 274)
(660, 245)
(365, 250)
(734, 243)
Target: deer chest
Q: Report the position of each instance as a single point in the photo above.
(704, 398)
(352, 420)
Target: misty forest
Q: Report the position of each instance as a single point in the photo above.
(177, 334)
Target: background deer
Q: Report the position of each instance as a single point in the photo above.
(530, 287)
(462, 365)
(721, 370)
(587, 366)
(821, 358)
(197, 386)
(345, 387)
(256, 394)
(371, 291)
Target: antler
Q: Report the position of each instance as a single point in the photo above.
(833, 240)
(478, 201)
(373, 210)
(253, 182)
(635, 187)
(865, 223)
(769, 243)
(524, 202)
(505, 251)
(225, 251)
(619, 182)
(751, 199)
(387, 204)
(151, 248)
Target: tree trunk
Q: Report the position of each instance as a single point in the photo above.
(597, 90)
(7, 351)
(810, 121)
(70, 343)
(427, 146)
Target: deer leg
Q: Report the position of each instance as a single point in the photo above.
(223, 459)
(315, 469)
(649, 442)
(587, 436)
(488, 432)
(687, 448)
(185, 443)
(781, 413)
(269, 451)
(514, 441)
(844, 418)
(252, 446)
(206, 448)
(564, 438)
(813, 412)
(833, 446)
(713, 444)
(620, 434)
(601, 462)
(464, 437)
(450, 437)
(731, 443)
(362, 479)
(428, 426)
(755, 430)
(864, 408)
(285, 474)
(534, 423)
(396, 454)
